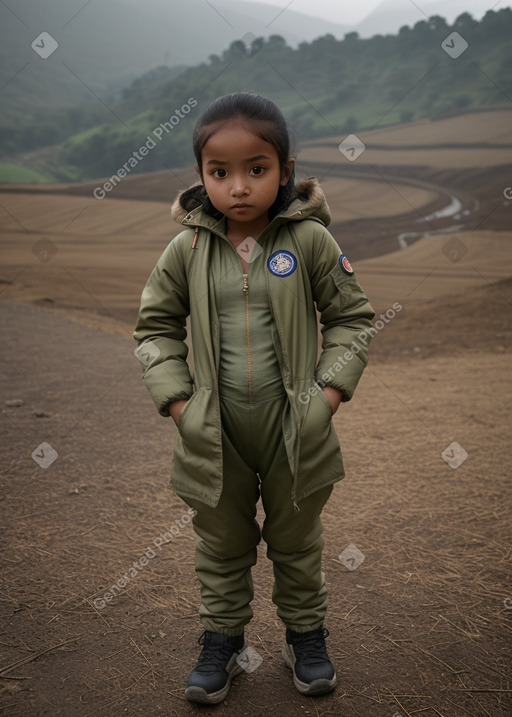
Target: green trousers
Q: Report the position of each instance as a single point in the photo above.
(255, 463)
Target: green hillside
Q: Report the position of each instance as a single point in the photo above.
(325, 87)
(11, 173)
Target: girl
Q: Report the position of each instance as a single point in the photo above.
(254, 419)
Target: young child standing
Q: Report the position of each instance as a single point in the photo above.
(254, 419)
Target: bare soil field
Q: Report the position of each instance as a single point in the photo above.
(422, 625)
(412, 180)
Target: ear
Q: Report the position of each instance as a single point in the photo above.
(198, 171)
(287, 171)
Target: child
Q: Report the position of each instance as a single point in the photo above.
(255, 419)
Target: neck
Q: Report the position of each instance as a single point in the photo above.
(246, 229)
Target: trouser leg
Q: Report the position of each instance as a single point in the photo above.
(294, 544)
(227, 535)
(226, 547)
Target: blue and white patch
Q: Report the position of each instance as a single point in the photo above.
(282, 263)
(346, 265)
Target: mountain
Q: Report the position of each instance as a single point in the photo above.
(325, 88)
(69, 114)
(390, 15)
(103, 46)
(263, 20)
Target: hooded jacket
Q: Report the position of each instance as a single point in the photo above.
(306, 272)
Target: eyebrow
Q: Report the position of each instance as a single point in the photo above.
(250, 159)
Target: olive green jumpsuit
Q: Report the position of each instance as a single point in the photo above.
(252, 400)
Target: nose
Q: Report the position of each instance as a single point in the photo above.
(239, 186)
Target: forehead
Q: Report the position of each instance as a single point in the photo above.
(237, 139)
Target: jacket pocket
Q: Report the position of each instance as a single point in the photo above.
(319, 458)
(188, 408)
(197, 451)
(326, 402)
(317, 418)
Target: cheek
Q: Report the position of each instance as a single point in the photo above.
(211, 187)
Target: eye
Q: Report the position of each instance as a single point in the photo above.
(257, 170)
(222, 174)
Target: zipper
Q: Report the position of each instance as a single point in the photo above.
(248, 332)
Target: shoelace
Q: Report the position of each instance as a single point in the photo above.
(310, 648)
(214, 656)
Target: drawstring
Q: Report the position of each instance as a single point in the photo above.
(194, 243)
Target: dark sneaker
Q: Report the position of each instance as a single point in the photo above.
(210, 680)
(306, 656)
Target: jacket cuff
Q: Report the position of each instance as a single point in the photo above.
(164, 408)
(345, 396)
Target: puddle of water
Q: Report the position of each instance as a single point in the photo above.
(454, 207)
(402, 238)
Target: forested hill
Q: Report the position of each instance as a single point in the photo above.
(325, 87)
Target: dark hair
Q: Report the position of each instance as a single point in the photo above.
(265, 120)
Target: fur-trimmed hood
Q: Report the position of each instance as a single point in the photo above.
(187, 208)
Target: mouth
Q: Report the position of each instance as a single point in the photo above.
(240, 205)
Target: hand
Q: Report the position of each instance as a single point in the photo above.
(333, 396)
(175, 408)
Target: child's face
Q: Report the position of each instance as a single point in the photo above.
(241, 175)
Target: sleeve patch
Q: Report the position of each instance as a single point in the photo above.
(346, 265)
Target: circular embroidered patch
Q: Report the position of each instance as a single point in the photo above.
(282, 263)
(346, 265)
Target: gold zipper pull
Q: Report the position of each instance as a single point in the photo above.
(246, 283)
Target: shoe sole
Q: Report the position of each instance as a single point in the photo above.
(317, 687)
(200, 696)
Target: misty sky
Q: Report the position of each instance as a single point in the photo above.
(352, 12)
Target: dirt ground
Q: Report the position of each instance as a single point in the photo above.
(420, 624)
